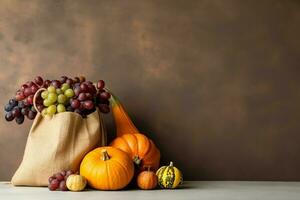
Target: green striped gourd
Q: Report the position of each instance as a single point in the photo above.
(169, 176)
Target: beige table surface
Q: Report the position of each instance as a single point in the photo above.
(210, 190)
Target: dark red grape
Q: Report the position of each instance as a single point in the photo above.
(92, 89)
(104, 95)
(24, 86)
(20, 96)
(27, 91)
(69, 172)
(56, 83)
(30, 83)
(100, 84)
(84, 87)
(104, 101)
(20, 119)
(63, 79)
(46, 83)
(9, 116)
(51, 178)
(63, 173)
(63, 186)
(104, 108)
(54, 185)
(16, 112)
(25, 111)
(38, 80)
(69, 81)
(81, 97)
(59, 176)
(30, 99)
(88, 104)
(26, 103)
(34, 88)
(75, 103)
(89, 96)
(40, 107)
(31, 115)
(77, 91)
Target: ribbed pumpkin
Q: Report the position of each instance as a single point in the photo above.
(169, 176)
(141, 149)
(124, 125)
(107, 168)
(147, 180)
(76, 182)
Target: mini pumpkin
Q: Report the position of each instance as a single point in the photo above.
(147, 180)
(141, 149)
(76, 182)
(107, 168)
(169, 176)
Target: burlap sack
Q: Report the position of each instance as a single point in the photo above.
(58, 143)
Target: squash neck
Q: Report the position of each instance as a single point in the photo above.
(105, 155)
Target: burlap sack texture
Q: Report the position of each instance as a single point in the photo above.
(58, 143)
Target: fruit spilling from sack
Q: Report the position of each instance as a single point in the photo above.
(55, 96)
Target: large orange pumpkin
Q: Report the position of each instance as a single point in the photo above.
(142, 150)
(107, 168)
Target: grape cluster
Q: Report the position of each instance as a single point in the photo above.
(67, 94)
(58, 181)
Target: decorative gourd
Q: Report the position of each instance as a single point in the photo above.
(107, 168)
(147, 180)
(141, 149)
(76, 182)
(169, 176)
(123, 122)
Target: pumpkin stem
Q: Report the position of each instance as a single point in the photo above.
(105, 155)
(148, 168)
(171, 164)
(137, 160)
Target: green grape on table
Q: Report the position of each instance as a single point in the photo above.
(47, 103)
(44, 112)
(60, 108)
(44, 94)
(51, 89)
(65, 86)
(52, 97)
(59, 91)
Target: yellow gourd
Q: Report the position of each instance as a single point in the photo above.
(76, 182)
(169, 176)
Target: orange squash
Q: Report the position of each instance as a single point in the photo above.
(141, 149)
(147, 180)
(124, 125)
(107, 168)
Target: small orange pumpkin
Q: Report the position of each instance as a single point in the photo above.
(107, 168)
(147, 180)
(140, 148)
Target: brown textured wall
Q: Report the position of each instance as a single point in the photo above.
(214, 83)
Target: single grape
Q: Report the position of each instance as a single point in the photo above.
(65, 86)
(63, 172)
(62, 98)
(104, 95)
(82, 97)
(60, 108)
(21, 104)
(51, 110)
(16, 112)
(63, 186)
(20, 119)
(38, 80)
(31, 115)
(63, 79)
(30, 83)
(47, 83)
(104, 108)
(24, 86)
(100, 84)
(77, 91)
(51, 178)
(8, 107)
(69, 172)
(27, 92)
(26, 103)
(59, 177)
(52, 97)
(25, 111)
(9, 116)
(54, 185)
(20, 96)
(56, 83)
(89, 96)
(34, 88)
(44, 112)
(84, 87)
(44, 94)
(88, 104)
(51, 89)
(47, 103)
(69, 81)
(13, 102)
(59, 91)
(69, 93)
(30, 99)
(40, 107)
(75, 103)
